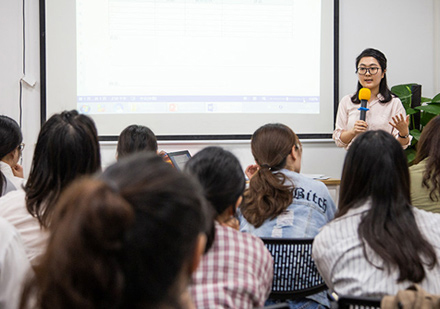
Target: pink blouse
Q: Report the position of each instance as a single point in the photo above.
(377, 118)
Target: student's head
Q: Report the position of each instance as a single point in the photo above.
(428, 148)
(375, 167)
(368, 58)
(429, 142)
(274, 147)
(128, 239)
(10, 145)
(220, 175)
(271, 145)
(375, 173)
(11, 138)
(136, 138)
(67, 147)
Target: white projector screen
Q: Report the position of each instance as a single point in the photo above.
(192, 68)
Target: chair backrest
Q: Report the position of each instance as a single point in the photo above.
(354, 302)
(295, 272)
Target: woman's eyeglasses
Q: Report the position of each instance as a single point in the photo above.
(21, 147)
(363, 71)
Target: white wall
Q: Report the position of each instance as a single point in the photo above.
(406, 31)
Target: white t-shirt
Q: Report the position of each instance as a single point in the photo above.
(14, 266)
(13, 209)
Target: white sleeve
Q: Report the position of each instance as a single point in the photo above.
(14, 266)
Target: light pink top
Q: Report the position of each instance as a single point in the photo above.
(377, 118)
(13, 209)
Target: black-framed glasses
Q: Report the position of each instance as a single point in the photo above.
(363, 71)
(21, 147)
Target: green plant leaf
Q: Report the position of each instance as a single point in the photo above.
(402, 90)
(425, 118)
(415, 134)
(410, 155)
(411, 111)
(432, 108)
(425, 100)
(436, 99)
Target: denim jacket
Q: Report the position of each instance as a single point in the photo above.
(312, 207)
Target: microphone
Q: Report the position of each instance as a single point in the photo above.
(364, 96)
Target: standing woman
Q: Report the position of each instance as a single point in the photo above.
(386, 111)
(280, 202)
(425, 173)
(378, 243)
(11, 146)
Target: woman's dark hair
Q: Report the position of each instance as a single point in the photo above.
(376, 170)
(136, 138)
(11, 138)
(267, 195)
(67, 147)
(220, 175)
(429, 147)
(121, 240)
(383, 86)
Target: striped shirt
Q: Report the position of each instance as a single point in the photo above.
(338, 254)
(236, 272)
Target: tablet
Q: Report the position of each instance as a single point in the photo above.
(179, 158)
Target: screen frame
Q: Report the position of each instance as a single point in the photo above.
(113, 138)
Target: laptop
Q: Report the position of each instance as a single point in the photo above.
(179, 158)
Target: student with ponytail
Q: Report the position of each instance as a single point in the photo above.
(237, 271)
(129, 239)
(11, 146)
(280, 202)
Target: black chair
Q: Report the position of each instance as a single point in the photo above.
(354, 302)
(295, 272)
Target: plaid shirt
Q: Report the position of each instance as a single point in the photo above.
(236, 272)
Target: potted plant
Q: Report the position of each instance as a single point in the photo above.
(420, 109)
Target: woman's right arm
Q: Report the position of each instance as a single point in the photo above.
(342, 134)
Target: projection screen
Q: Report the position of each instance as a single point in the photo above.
(192, 69)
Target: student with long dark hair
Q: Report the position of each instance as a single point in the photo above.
(280, 202)
(11, 147)
(67, 147)
(378, 243)
(129, 239)
(425, 173)
(386, 111)
(227, 278)
(135, 138)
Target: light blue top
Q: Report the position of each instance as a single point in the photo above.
(312, 207)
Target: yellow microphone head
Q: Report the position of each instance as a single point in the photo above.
(364, 94)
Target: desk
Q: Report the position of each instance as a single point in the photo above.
(333, 185)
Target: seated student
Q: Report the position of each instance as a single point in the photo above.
(280, 202)
(378, 243)
(425, 173)
(237, 271)
(11, 147)
(135, 138)
(67, 147)
(14, 265)
(129, 239)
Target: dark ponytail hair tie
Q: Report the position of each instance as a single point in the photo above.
(266, 166)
